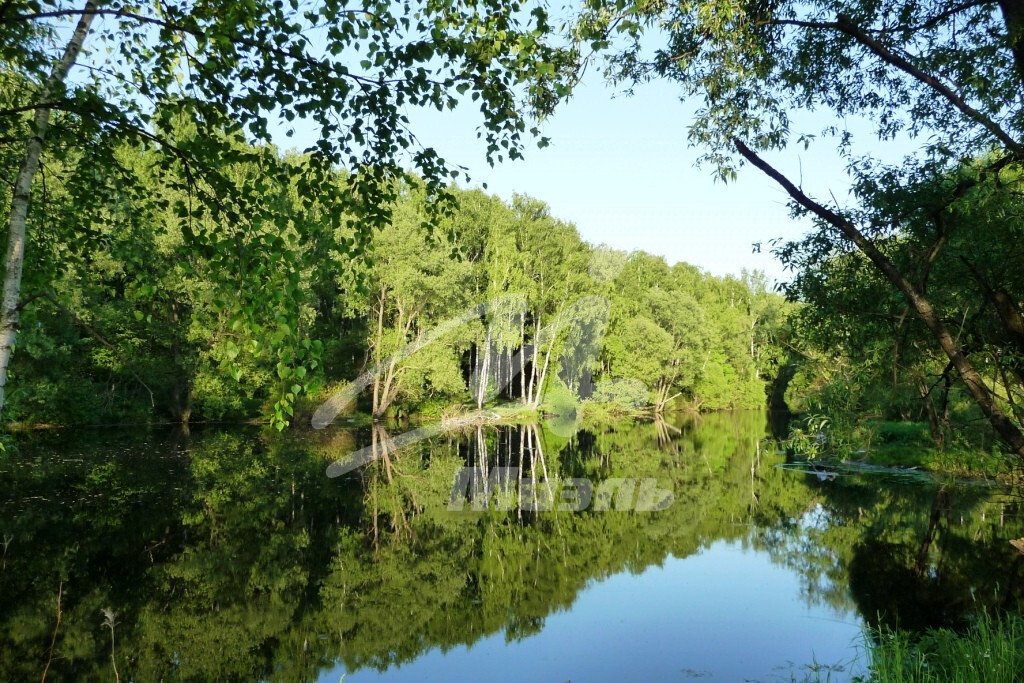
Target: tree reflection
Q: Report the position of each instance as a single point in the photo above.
(232, 555)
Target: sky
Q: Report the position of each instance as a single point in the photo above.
(620, 169)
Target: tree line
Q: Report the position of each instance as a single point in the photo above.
(139, 326)
(201, 87)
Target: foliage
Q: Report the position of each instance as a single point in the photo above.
(909, 258)
(811, 441)
(202, 89)
(138, 328)
(881, 361)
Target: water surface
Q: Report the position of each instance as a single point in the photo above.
(230, 554)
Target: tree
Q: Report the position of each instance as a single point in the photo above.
(949, 76)
(643, 351)
(970, 274)
(415, 285)
(231, 72)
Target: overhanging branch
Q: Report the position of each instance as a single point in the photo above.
(975, 384)
(846, 25)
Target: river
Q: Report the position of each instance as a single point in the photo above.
(700, 554)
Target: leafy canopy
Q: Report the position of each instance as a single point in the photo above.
(205, 84)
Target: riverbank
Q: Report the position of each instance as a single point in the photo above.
(990, 651)
(451, 415)
(959, 462)
(904, 445)
(898, 445)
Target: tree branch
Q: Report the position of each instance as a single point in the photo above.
(29, 107)
(948, 14)
(975, 384)
(845, 25)
(197, 32)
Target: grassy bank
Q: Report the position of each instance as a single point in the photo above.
(990, 651)
(900, 444)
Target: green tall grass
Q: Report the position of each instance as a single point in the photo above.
(990, 651)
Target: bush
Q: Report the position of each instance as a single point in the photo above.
(908, 433)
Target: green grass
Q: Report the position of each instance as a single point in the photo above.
(990, 651)
(903, 455)
(954, 460)
(906, 433)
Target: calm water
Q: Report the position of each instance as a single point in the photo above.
(231, 555)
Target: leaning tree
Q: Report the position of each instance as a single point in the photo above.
(947, 75)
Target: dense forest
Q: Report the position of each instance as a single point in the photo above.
(137, 329)
(166, 260)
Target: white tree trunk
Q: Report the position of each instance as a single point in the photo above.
(485, 367)
(23, 190)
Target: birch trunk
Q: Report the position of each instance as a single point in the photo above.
(533, 366)
(483, 376)
(543, 375)
(21, 196)
(522, 359)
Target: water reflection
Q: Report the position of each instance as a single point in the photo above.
(232, 555)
